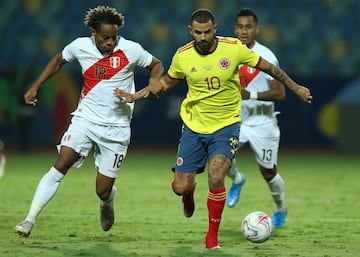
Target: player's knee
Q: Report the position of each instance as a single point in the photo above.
(268, 174)
(181, 188)
(216, 182)
(176, 189)
(103, 194)
(216, 178)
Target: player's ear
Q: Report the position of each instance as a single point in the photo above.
(257, 29)
(93, 31)
(190, 29)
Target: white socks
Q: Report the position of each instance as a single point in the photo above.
(276, 186)
(111, 197)
(45, 190)
(277, 191)
(233, 173)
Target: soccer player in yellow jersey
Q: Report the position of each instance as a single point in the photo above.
(210, 111)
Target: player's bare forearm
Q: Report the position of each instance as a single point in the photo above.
(156, 70)
(302, 92)
(50, 70)
(276, 92)
(166, 84)
(277, 73)
(129, 98)
(268, 95)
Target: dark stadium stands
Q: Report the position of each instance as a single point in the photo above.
(309, 37)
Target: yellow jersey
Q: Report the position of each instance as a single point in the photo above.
(213, 99)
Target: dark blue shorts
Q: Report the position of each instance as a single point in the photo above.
(196, 149)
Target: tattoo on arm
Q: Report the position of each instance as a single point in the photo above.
(280, 75)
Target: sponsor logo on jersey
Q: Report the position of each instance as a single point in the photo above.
(193, 69)
(208, 67)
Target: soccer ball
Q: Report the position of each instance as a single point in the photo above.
(257, 227)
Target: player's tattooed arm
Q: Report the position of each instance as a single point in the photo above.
(302, 92)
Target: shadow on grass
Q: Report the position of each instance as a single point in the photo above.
(98, 249)
(184, 251)
(49, 250)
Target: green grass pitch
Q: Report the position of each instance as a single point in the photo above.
(322, 192)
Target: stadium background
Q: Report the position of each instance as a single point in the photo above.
(316, 41)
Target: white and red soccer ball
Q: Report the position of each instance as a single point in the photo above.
(257, 227)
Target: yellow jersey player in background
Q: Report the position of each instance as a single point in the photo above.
(210, 111)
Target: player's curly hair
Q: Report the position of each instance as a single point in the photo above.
(103, 15)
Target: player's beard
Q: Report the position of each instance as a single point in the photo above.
(203, 47)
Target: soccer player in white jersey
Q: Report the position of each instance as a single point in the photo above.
(259, 125)
(101, 121)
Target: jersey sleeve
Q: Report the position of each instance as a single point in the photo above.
(247, 56)
(143, 57)
(175, 68)
(68, 53)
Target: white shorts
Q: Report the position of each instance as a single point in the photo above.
(110, 144)
(264, 141)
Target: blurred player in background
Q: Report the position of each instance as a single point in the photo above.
(101, 121)
(259, 125)
(2, 159)
(210, 111)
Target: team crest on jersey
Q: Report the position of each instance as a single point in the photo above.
(224, 63)
(114, 62)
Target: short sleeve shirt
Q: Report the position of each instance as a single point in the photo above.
(102, 74)
(213, 98)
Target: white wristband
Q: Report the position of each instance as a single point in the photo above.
(253, 95)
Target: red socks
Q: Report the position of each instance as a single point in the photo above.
(215, 202)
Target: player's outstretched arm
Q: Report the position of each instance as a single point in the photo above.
(154, 88)
(302, 92)
(276, 92)
(50, 70)
(129, 98)
(166, 84)
(156, 71)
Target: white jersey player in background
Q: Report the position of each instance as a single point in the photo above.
(259, 125)
(101, 121)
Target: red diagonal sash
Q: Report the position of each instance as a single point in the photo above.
(105, 68)
(247, 74)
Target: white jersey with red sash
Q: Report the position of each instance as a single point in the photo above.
(102, 74)
(255, 112)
